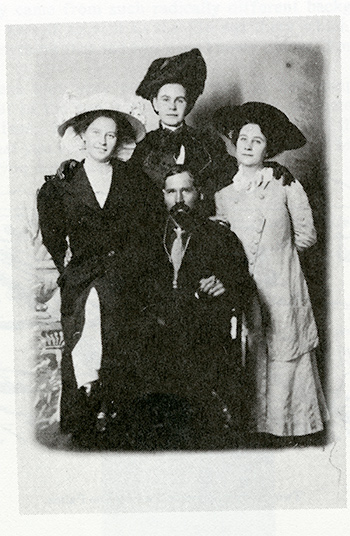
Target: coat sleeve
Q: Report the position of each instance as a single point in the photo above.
(301, 216)
(220, 207)
(52, 221)
(139, 154)
(232, 268)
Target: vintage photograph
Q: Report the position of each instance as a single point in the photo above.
(176, 218)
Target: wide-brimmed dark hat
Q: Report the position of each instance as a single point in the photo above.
(188, 69)
(281, 134)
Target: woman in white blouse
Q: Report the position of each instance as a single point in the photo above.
(273, 220)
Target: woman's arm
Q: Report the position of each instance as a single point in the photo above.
(301, 216)
(52, 221)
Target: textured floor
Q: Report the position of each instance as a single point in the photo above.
(154, 424)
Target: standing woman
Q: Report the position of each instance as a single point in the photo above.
(90, 213)
(173, 85)
(273, 220)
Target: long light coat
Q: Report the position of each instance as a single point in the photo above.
(274, 222)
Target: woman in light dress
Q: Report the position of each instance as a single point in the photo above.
(274, 222)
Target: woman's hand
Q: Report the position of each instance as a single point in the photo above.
(211, 286)
(280, 171)
(66, 169)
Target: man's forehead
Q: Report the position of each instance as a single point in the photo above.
(179, 179)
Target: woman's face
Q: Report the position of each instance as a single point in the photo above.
(171, 104)
(101, 138)
(251, 146)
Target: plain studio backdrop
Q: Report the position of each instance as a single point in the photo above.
(292, 63)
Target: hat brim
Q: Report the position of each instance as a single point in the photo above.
(136, 125)
(271, 120)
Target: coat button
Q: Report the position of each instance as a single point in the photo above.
(111, 253)
(262, 196)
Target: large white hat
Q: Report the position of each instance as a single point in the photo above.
(74, 110)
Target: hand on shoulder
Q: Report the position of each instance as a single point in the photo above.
(66, 169)
(280, 172)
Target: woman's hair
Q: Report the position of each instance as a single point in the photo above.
(125, 131)
(274, 143)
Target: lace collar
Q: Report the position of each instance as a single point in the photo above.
(261, 178)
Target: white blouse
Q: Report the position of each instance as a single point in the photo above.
(100, 178)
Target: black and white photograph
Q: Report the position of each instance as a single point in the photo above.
(176, 217)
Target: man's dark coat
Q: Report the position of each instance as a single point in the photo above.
(186, 344)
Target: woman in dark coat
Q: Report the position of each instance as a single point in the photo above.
(172, 85)
(91, 214)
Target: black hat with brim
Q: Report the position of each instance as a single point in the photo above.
(188, 69)
(281, 134)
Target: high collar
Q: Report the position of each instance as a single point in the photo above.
(94, 167)
(173, 130)
(259, 179)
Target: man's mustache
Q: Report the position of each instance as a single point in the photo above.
(179, 207)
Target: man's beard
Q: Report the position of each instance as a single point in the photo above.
(183, 216)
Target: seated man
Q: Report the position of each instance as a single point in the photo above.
(191, 279)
